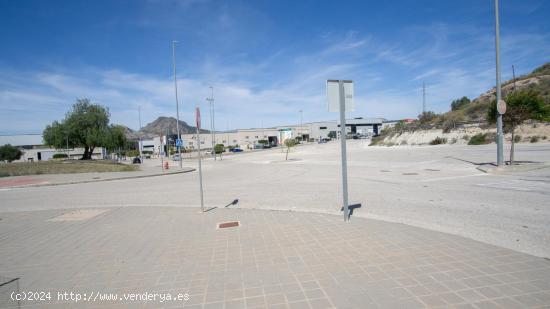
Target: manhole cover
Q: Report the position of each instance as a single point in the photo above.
(225, 225)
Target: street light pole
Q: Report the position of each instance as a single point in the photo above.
(177, 102)
(140, 154)
(500, 137)
(301, 131)
(212, 129)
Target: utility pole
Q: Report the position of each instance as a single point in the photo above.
(212, 133)
(177, 102)
(140, 154)
(423, 97)
(500, 137)
(514, 76)
(301, 120)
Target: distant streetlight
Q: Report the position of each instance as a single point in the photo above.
(301, 119)
(177, 102)
(212, 121)
(139, 133)
(500, 137)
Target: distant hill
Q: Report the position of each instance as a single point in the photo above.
(159, 126)
(538, 80)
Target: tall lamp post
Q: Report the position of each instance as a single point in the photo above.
(212, 121)
(140, 142)
(177, 102)
(500, 137)
(301, 120)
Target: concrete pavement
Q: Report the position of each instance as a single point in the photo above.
(274, 259)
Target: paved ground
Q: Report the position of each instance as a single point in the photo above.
(275, 259)
(434, 187)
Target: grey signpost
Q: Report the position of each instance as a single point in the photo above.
(198, 124)
(339, 98)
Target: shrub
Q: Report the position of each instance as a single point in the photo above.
(454, 140)
(219, 148)
(403, 142)
(479, 139)
(438, 140)
(60, 156)
(544, 137)
(376, 140)
(147, 152)
(534, 139)
(132, 153)
(517, 138)
(466, 137)
(262, 141)
(10, 153)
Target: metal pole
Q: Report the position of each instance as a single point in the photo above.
(423, 97)
(500, 137)
(343, 148)
(140, 154)
(514, 76)
(177, 102)
(200, 166)
(212, 134)
(301, 131)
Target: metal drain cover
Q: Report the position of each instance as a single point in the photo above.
(225, 225)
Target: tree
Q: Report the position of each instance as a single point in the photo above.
(291, 142)
(10, 153)
(426, 117)
(331, 134)
(87, 126)
(459, 103)
(520, 106)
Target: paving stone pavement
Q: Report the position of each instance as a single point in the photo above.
(274, 259)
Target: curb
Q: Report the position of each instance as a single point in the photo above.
(100, 180)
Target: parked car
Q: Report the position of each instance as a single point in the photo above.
(136, 160)
(236, 150)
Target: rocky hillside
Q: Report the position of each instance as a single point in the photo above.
(159, 126)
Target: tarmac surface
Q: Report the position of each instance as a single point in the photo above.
(92, 236)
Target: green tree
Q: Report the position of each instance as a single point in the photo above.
(459, 103)
(331, 134)
(291, 142)
(10, 153)
(520, 106)
(87, 126)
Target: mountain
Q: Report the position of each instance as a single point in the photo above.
(159, 126)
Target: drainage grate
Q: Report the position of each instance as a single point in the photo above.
(228, 224)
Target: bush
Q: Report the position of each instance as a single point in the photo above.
(263, 141)
(219, 148)
(438, 140)
(10, 153)
(534, 139)
(479, 139)
(376, 140)
(517, 138)
(60, 156)
(132, 153)
(454, 140)
(146, 152)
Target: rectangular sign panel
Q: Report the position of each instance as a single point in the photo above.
(333, 95)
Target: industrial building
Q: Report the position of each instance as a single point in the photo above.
(33, 148)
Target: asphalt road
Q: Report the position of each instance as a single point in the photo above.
(434, 187)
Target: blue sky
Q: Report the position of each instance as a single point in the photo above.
(265, 59)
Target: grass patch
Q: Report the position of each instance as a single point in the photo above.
(63, 167)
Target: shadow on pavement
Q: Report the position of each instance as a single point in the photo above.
(351, 209)
(234, 202)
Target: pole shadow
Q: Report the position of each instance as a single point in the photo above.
(234, 202)
(351, 208)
